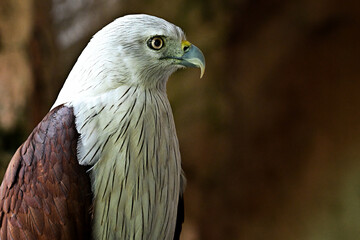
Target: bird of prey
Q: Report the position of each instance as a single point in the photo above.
(104, 163)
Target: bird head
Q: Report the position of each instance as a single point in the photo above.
(154, 47)
(139, 50)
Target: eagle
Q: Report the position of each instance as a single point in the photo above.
(104, 163)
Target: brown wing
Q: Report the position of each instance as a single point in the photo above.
(45, 193)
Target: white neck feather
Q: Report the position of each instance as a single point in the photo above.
(129, 136)
(94, 74)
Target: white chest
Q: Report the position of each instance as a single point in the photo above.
(130, 138)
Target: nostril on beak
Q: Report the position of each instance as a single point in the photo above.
(185, 45)
(186, 48)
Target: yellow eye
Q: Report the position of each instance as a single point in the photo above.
(156, 43)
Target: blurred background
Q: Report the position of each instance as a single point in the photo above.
(270, 137)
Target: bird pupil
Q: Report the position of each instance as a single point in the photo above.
(157, 43)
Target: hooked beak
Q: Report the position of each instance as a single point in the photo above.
(192, 57)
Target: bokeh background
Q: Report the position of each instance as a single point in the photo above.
(270, 137)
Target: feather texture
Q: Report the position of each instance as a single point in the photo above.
(136, 173)
(45, 193)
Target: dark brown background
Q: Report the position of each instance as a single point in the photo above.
(270, 137)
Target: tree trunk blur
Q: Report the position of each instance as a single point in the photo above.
(16, 81)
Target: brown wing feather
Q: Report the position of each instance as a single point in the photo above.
(45, 193)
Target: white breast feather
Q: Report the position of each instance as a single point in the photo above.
(129, 136)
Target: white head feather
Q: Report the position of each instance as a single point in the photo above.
(118, 55)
